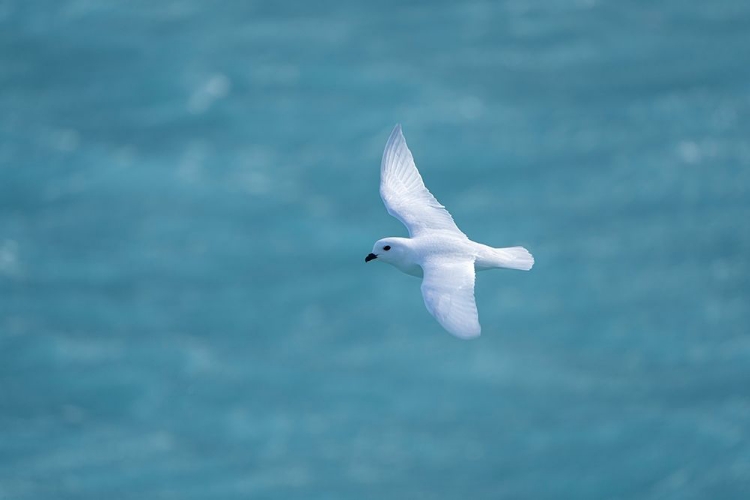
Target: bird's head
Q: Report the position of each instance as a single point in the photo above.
(390, 250)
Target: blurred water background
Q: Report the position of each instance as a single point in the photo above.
(188, 189)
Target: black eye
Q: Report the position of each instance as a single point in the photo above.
(387, 247)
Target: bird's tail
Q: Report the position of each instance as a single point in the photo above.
(514, 258)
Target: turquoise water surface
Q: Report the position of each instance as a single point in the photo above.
(188, 190)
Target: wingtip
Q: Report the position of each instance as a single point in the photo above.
(396, 131)
(467, 334)
(395, 140)
(464, 331)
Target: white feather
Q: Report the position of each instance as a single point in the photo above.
(404, 193)
(448, 292)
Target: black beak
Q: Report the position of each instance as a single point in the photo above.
(370, 257)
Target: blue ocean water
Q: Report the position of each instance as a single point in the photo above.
(188, 189)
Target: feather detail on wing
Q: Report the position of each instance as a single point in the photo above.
(448, 292)
(404, 193)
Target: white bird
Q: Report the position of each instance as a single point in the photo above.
(437, 250)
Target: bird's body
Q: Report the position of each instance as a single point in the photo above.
(422, 248)
(437, 251)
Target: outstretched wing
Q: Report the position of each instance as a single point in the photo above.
(448, 291)
(404, 193)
